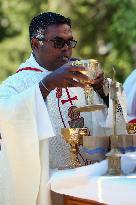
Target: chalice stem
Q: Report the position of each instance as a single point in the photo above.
(88, 95)
(74, 156)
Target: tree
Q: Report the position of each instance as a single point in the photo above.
(105, 30)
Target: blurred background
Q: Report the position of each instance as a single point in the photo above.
(105, 30)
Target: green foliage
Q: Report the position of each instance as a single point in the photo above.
(105, 30)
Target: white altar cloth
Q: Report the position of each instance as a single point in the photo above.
(88, 183)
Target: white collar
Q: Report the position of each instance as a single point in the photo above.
(31, 62)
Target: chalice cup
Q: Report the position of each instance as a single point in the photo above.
(92, 70)
(74, 137)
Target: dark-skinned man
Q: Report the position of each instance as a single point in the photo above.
(35, 103)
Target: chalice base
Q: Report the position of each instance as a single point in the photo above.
(90, 108)
(71, 165)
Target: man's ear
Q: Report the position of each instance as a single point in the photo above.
(35, 44)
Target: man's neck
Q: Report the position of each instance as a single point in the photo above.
(37, 60)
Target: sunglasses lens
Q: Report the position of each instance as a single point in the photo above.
(72, 43)
(60, 43)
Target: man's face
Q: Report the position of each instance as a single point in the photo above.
(48, 55)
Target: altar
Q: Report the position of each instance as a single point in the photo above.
(90, 186)
(69, 200)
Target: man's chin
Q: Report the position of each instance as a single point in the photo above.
(60, 64)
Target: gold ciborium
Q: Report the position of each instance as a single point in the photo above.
(74, 137)
(92, 70)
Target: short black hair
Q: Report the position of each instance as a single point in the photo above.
(40, 23)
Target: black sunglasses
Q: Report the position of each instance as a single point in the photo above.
(60, 42)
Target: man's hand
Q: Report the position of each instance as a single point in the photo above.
(98, 87)
(97, 83)
(65, 76)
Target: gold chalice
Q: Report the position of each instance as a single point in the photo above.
(74, 137)
(92, 70)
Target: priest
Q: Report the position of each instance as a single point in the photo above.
(35, 103)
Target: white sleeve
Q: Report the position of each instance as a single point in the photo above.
(24, 120)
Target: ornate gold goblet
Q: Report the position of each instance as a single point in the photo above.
(92, 70)
(73, 136)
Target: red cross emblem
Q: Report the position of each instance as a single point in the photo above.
(70, 99)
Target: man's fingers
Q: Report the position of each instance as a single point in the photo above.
(76, 68)
(100, 75)
(99, 79)
(73, 83)
(80, 76)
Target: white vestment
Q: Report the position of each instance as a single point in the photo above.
(26, 123)
(130, 90)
